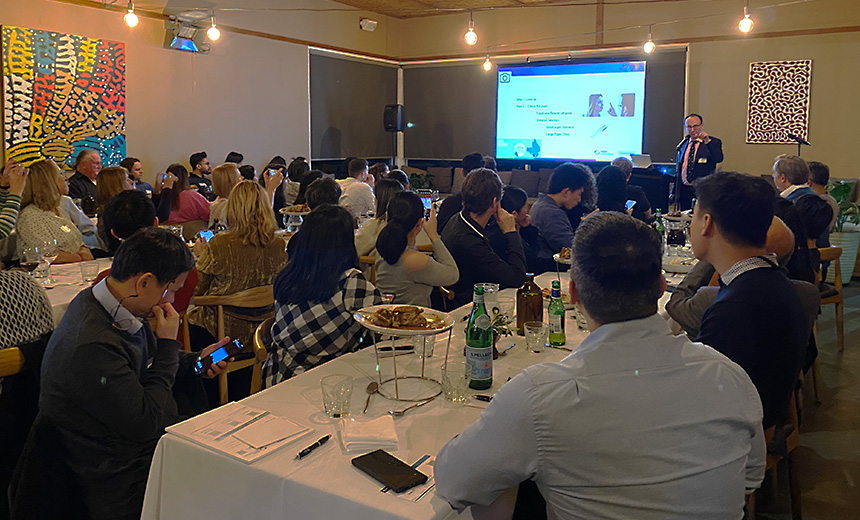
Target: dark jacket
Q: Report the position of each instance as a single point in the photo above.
(81, 185)
(449, 208)
(109, 403)
(707, 158)
(758, 322)
(467, 242)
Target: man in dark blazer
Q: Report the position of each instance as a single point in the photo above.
(706, 152)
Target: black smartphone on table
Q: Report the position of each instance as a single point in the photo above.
(225, 352)
(389, 470)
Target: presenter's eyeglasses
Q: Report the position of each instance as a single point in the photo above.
(694, 126)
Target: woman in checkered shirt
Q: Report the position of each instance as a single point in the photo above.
(316, 296)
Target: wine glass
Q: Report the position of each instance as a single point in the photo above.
(30, 260)
(49, 250)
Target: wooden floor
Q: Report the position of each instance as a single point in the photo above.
(828, 460)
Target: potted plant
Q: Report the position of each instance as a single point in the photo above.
(848, 239)
(501, 328)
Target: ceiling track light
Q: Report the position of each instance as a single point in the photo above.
(213, 33)
(488, 65)
(130, 18)
(746, 24)
(471, 36)
(649, 45)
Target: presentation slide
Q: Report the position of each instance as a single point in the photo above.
(580, 111)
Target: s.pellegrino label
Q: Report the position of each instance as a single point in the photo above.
(479, 343)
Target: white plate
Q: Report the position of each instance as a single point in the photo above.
(678, 268)
(444, 321)
(294, 213)
(685, 217)
(561, 260)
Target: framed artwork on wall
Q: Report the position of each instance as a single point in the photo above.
(779, 101)
(62, 94)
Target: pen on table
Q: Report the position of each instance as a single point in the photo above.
(307, 451)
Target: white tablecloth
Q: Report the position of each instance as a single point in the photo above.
(187, 480)
(67, 284)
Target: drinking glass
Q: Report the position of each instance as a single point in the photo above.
(31, 261)
(388, 297)
(49, 251)
(536, 335)
(456, 376)
(423, 345)
(176, 229)
(337, 394)
(89, 271)
(491, 297)
(294, 223)
(581, 322)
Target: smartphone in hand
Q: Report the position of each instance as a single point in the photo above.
(225, 352)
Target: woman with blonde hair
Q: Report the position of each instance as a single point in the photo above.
(42, 218)
(224, 177)
(246, 255)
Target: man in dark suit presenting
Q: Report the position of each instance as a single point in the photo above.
(698, 155)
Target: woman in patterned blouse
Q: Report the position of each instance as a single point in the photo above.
(316, 295)
(42, 218)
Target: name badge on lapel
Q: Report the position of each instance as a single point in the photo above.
(702, 160)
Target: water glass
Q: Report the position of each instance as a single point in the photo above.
(491, 297)
(536, 335)
(423, 346)
(581, 322)
(89, 271)
(176, 230)
(337, 394)
(456, 376)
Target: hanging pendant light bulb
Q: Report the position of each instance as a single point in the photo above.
(130, 18)
(746, 24)
(649, 45)
(213, 33)
(488, 65)
(471, 36)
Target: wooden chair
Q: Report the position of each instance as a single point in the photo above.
(249, 299)
(368, 265)
(447, 296)
(792, 441)
(832, 254)
(186, 335)
(262, 340)
(11, 361)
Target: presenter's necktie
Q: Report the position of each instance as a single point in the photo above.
(689, 160)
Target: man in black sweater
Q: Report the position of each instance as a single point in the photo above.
(108, 378)
(465, 237)
(757, 319)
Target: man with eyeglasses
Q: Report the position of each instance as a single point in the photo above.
(698, 156)
(111, 381)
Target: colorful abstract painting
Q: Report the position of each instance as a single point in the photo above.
(779, 101)
(62, 94)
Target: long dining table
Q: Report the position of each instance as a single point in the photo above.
(188, 480)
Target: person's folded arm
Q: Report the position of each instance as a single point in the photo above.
(687, 305)
(106, 387)
(494, 454)
(440, 271)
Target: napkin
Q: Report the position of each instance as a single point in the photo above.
(362, 434)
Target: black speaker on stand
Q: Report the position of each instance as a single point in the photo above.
(393, 119)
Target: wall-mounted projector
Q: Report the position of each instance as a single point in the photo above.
(367, 24)
(183, 33)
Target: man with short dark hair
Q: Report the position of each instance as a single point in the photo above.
(235, 157)
(322, 191)
(135, 173)
(757, 319)
(594, 431)
(200, 168)
(124, 214)
(698, 156)
(454, 204)
(88, 164)
(790, 176)
(466, 238)
(357, 195)
(107, 377)
(568, 185)
(819, 176)
(538, 255)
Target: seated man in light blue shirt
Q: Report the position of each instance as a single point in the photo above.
(569, 185)
(635, 423)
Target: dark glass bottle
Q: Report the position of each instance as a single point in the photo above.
(529, 303)
(88, 205)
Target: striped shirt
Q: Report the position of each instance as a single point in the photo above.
(9, 206)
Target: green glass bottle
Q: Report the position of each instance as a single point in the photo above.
(555, 312)
(658, 223)
(479, 343)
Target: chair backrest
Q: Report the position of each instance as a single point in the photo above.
(11, 361)
(192, 227)
(368, 265)
(252, 298)
(810, 298)
(832, 254)
(263, 338)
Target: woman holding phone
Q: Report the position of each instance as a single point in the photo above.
(400, 268)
